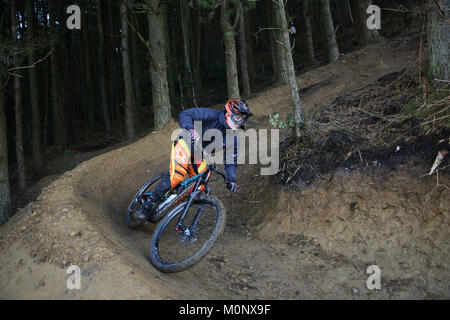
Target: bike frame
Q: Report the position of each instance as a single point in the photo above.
(191, 188)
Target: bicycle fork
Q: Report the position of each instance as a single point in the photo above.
(186, 208)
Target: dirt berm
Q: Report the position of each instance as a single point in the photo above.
(312, 242)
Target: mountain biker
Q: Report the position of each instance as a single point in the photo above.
(183, 164)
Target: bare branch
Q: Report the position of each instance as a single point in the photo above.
(440, 9)
(142, 40)
(31, 66)
(263, 29)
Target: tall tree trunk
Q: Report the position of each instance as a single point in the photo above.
(34, 93)
(290, 66)
(5, 198)
(79, 79)
(333, 50)
(158, 64)
(438, 30)
(58, 123)
(180, 83)
(137, 72)
(365, 35)
(172, 61)
(46, 103)
(18, 106)
(251, 65)
(309, 35)
(243, 55)
(101, 59)
(87, 62)
(271, 22)
(282, 74)
(111, 62)
(185, 27)
(67, 102)
(198, 34)
(129, 95)
(230, 48)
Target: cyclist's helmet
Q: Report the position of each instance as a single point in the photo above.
(238, 110)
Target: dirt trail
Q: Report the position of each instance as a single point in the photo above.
(278, 243)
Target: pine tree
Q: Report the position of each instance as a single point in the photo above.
(18, 103)
(5, 199)
(333, 50)
(158, 66)
(278, 40)
(243, 54)
(129, 94)
(34, 91)
(102, 69)
(439, 39)
(227, 11)
(309, 35)
(365, 35)
(286, 45)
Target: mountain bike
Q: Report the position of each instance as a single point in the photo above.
(190, 220)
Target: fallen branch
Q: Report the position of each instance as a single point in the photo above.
(440, 111)
(440, 80)
(435, 119)
(293, 174)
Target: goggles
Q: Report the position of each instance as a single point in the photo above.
(239, 119)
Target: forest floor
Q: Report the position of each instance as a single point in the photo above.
(313, 242)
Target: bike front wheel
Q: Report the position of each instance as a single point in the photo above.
(174, 250)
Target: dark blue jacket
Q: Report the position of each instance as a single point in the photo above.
(211, 119)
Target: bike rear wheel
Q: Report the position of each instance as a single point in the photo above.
(174, 250)
(138, 200)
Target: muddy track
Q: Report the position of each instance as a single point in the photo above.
(278, 244)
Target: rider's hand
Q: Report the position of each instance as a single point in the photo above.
(232, 186)
(194, 135)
